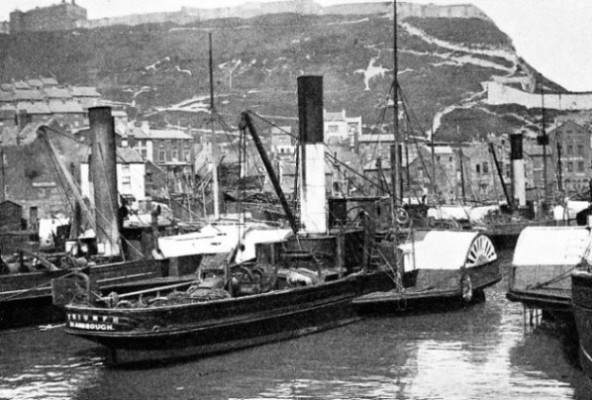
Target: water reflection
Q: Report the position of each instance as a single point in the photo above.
(43, 365)
(479, 352)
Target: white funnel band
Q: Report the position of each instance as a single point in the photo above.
(313, 214)
(519, 182)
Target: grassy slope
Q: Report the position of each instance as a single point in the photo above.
(273, 50)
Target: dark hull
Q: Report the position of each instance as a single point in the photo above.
(26, 298)
(550, 300)
(198, 329)
(543, 287)
(582, 309)
(503, 240)
(446, 289)
(504, 236)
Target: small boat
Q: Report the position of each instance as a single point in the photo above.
(443, 265)
(581, 281)
(431, 265)
(543, 261)
(295, 285)
(25, 291)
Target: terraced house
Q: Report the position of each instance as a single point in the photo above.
(571, 156)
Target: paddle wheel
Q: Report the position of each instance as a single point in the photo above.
(481, 252)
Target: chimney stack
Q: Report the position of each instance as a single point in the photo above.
(103, 172)
(313, 214)
(518, 175)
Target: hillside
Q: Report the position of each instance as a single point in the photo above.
(161, 71)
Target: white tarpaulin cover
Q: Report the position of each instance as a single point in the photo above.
(459, 212)
(215, 239)
(444, 250)
(256, 236)
(573, 208)
(450, 212)
(552, 245)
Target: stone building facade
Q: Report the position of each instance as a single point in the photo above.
(571, 156)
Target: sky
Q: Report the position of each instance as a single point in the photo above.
(554, 36)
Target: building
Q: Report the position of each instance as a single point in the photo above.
(534, 152)
(463, 172)
(37, 100)
(160, 146)
(56, 17)
(341, 128)
(11, 214)
(30, 175)
(131, 172)
(282, 142)
(572, 156)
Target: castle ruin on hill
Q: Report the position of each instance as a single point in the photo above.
(66, 16)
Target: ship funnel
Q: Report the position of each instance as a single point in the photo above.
(313, 214)
(518, 175)
(103, 175)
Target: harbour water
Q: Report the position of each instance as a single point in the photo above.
(483, 351)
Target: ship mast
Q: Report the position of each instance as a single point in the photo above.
(394, 151)
(213, 143)
(2, 174)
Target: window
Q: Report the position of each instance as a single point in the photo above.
(580, 166)
(125, 169)
(187, 155)
(569, 166)
(485, 167)
(332, 128)
(580, 150)
(450, 159)
(570, 149)
(161, 155)
(144, 153)
(126, 184)
(478, 168)
(175, 155)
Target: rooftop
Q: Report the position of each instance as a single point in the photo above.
(57, 93)
(21, 85)
(85, 91)
(33, 108)
(65, 107)
(28, 94)
(6, 96)
(168, 134)
(35, 83)
(49, 81)
(129, 155)
(334, 116)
